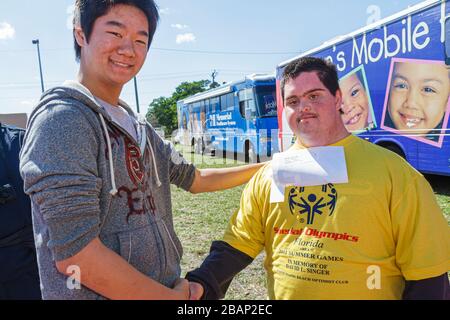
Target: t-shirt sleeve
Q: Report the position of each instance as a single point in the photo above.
(245, 231)
(181, 172)
(59, 168)
(421, 232)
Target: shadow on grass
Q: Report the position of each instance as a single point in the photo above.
(440, 184)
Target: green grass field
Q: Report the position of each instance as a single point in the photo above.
(201, 219)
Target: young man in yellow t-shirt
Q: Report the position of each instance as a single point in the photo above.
(382, 235)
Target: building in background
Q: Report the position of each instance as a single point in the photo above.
(14, 119)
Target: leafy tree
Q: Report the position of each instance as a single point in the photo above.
(163, 111)
(214, 85)
(187, 89)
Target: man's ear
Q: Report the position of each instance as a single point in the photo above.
(79, 36)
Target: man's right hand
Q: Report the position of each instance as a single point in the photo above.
(182, 289)
(196, 291)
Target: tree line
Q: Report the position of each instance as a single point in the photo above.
(162, 112)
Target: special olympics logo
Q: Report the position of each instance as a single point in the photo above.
(300, 202)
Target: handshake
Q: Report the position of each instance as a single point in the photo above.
(187, 290)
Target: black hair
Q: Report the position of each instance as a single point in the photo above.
(326, 71)
(88, 11)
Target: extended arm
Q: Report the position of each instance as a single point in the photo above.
(209, 180)
(218, 270)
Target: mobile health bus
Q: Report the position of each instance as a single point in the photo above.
(394, 77)
(238, 118)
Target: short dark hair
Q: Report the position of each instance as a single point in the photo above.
(326, 71)
(88, 11)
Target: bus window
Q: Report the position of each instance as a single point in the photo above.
(267, 105)
(247, 105)
(196, 107)
(202, 124)
(207, 106)
(230, 100)
(202, 106)
(223, 103)
(214, 105)
(184, 120)
(227, 102)
(190, 109)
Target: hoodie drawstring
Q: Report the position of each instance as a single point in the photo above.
(142, 123)
(113, 191)
(158, 182)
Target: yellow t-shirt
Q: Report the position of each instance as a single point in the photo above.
(358, 240)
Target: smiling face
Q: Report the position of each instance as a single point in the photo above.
(355, 104)
(312, 111)
(418, 96)
(116, 50)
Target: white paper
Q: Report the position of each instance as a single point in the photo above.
(276, 193)
(307, 167)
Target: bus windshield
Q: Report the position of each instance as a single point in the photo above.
(265, 95)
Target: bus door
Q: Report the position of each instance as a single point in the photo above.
(227, 121)
(207, 124)
(213, 108)
(267, 121)
(247, 107)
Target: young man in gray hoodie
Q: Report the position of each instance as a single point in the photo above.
(99, 177)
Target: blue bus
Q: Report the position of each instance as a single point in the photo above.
(238, 119)
(394, 78)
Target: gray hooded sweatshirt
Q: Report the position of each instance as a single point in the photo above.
(89, 178)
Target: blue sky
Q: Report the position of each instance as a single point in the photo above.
(194, 37)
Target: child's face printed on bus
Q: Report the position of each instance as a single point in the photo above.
(418, 96)
(355, 104)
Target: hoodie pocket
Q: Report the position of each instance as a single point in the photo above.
(173, 251)
(140, 248)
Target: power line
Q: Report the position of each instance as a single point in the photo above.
(223, 52)
(28, 86)
(176, 51)
(31, 50)
(144, 78)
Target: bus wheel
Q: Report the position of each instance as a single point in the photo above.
(202, 146)
(197, 146)
(250, 154)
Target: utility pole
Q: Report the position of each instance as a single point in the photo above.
(36, 42)
(214, 75)
(136, 94)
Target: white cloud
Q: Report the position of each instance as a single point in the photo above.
(179, 26)
(6, 31)
(70, 11)
(164, 11)
(185, 37)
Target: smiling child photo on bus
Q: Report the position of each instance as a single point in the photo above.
(417, 104)
(356, 108)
